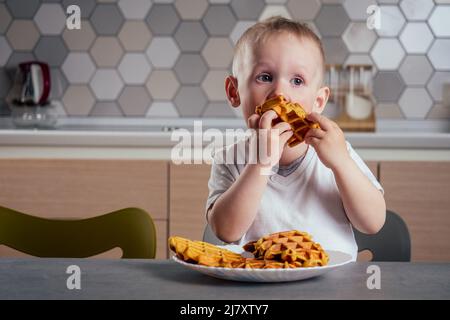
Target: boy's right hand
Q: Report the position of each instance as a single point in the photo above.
(270, 139)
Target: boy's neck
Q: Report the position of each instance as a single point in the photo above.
(291, 154)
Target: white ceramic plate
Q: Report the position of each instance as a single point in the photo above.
(337, 260)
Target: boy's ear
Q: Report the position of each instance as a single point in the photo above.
(231, 88)
(321, 99)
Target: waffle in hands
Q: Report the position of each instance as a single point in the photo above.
(292, 113)
(292, 247)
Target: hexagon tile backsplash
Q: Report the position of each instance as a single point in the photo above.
(168, 58)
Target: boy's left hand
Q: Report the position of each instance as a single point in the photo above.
(328, 141)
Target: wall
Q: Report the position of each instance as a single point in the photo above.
(139, 58)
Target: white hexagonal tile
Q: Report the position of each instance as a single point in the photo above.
(387, 54)
(415, 103)
(272, 10)
(190, 10)
(440, 22)
(106, 84)
(439, 53)
(239, 30)
(358, 37)
(78, 67)
(161, 109)
(163, 84)
(5, 51)
(50, 19)
(214, 85)
(78, 101)
(134, 68)
(218, 52)
(356, 9)
(163, 52)
(416, 9)
(135, 9)
(416, 37)
(392, 21)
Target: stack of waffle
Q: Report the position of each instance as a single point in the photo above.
(282, 250)
(292, 113)
(294, 247)
(203, 253)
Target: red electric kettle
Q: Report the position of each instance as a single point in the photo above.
(32, 83)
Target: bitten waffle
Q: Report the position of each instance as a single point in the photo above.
(293, 247)
(292, 113)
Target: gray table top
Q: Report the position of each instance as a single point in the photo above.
(165, 279)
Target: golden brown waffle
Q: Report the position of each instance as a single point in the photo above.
(289, 246)
(253, 263)
(203, 253)
(291, 113)
(282, 250)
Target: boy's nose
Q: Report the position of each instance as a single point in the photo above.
(279, 89)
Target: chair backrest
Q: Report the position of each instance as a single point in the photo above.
(131, 229)
(391, 243)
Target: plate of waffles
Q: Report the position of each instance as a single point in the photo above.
(279, 257)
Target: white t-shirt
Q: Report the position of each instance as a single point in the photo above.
(307, 199)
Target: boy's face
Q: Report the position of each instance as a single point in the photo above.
(282, 65)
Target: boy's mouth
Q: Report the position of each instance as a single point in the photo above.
(290, 112)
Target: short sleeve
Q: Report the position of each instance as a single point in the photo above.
(363, 167)
(221, 178)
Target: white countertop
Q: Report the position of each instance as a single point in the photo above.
(155, 141)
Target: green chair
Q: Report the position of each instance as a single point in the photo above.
(130, 229)
(391, 243)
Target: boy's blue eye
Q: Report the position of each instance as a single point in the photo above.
(297, 81)
(264, 77)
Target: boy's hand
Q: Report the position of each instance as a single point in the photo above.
(274, 137)
(328, 141)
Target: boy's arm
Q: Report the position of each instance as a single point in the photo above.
(363, 203)
(234, 211)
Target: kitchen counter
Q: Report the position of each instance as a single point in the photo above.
(150, 139)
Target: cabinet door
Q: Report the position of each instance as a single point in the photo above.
(188, 194)
(419, 193)
(55, 188)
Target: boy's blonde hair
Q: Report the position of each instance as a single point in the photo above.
(277, 24)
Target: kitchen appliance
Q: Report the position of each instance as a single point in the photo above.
(30, 105)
